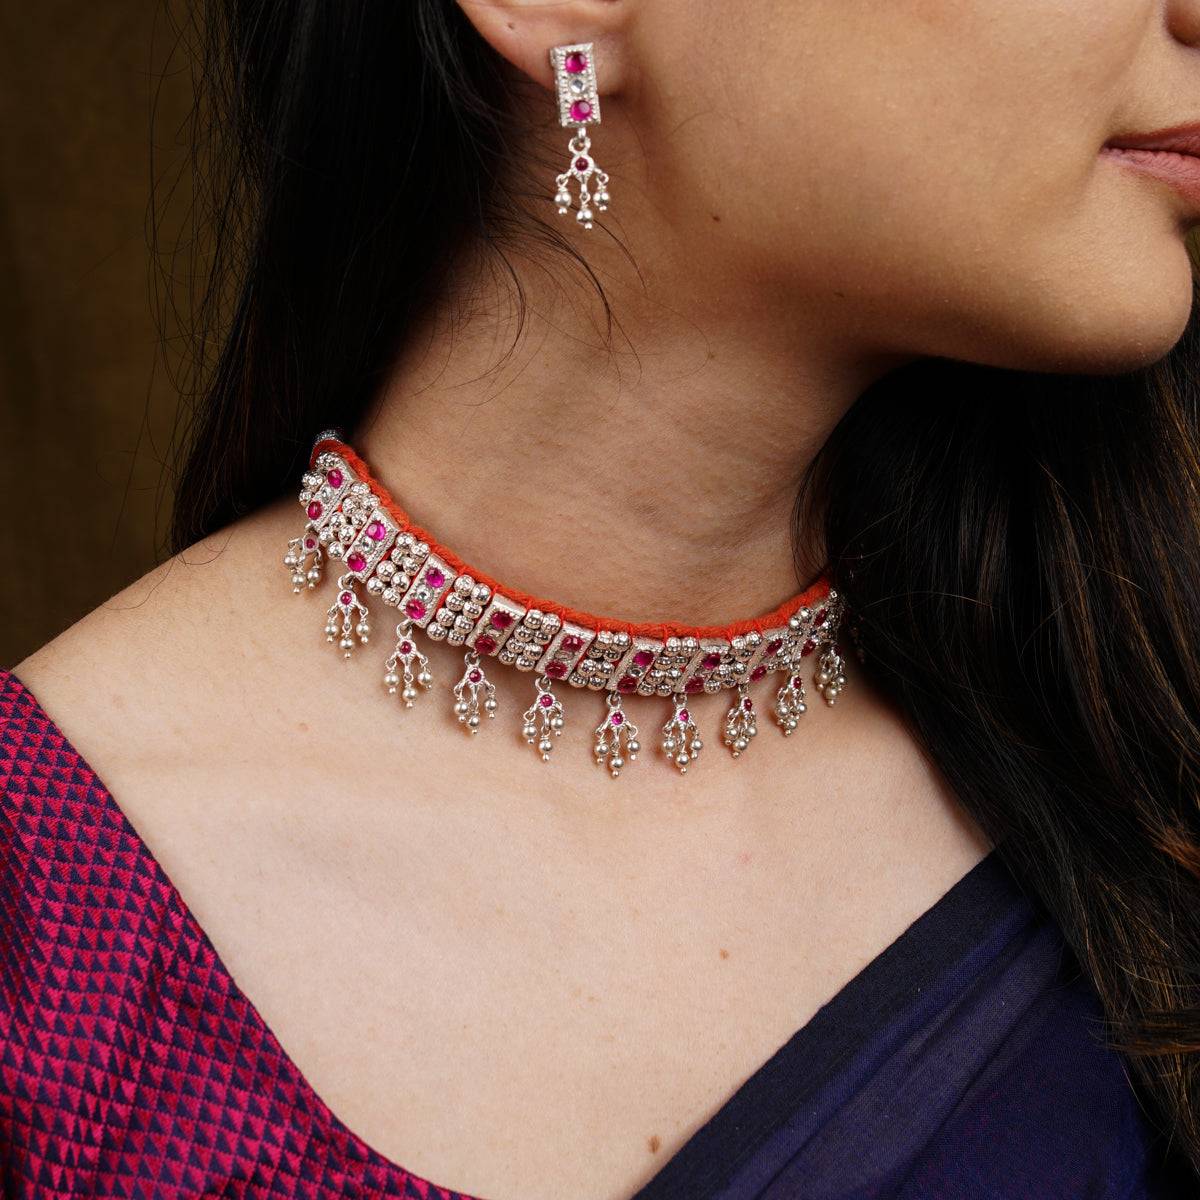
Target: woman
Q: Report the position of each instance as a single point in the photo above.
(884, 334)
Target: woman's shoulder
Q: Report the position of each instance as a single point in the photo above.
(155, 668)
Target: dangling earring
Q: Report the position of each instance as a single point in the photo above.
(579, 105)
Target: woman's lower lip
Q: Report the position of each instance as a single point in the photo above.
(1180, 170)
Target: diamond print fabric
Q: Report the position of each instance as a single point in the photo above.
(131, 1065)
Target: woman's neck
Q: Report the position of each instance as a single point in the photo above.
(647, 476)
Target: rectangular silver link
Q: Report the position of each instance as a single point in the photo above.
(770, 653)
(371, 549)
(394, 574)
(566, 648)
(676, 660)
(598, 667)
(432, 582)
(344, 525)
(735, 668)
(637, 661)
(529, 639)
(499, 619)
(328, 495)
(704, 673)
(460, 612)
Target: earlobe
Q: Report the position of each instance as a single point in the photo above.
(525, 31)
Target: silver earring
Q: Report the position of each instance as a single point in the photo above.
(579, 106)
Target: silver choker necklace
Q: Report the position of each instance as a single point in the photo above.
(352, 520)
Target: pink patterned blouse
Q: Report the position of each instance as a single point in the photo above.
(963, 1063)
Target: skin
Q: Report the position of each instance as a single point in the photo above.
(435, 929)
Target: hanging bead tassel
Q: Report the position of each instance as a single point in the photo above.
(740, 723)
(347, 607)
(584, 171)
(296, 560)
(790, 703)
(611, 732)
(543, 717)
(468, 690)
(403, 657)
(831, 673)
(680, 741)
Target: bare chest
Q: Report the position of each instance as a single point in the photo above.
(521, 1008)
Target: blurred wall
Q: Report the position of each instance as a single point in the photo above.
(84, 402)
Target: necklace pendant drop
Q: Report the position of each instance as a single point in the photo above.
(399, 666)
(740, 722)
(790, 702)
(299, 550)
(353, 617)
(469, 689)
(543, 717)
(831, 673)
(615, 729)
(681, 740)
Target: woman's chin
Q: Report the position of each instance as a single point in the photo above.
(1121, 328)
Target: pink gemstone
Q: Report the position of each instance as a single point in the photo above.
(644, 658)
(545, 700)
(695, 684)
(775, 645)
(797, 682)
(758, 672)
(572, 644)
(617, 718)
(581, 110)
(345, 597)
(683, 715)
(475, 676)
(501, 619)
(310, 543)
(377, 531)
(315, 509)
(709, 661)
(406, 647)
(556, 669)
(434, 577)
(808, 647)
(748, 704)
(581, 164)
(819, 619)
(575, 63)
(627, 683)
(485, 643)
(415, 609)
(335, 478)
(355, 561)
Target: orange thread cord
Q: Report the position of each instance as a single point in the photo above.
(815, 592)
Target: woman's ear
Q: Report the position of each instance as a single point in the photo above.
(524, 32)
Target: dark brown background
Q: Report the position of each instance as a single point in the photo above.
(86, 408)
